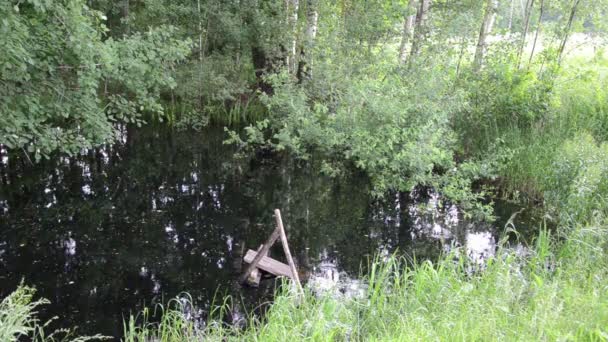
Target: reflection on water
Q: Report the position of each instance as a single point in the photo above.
(162, 212)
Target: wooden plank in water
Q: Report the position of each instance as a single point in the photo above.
(269, 265)
(265, 248)
(256, 275)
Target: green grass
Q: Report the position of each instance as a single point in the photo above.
(557, 292)
(18, 321)
(17, 314)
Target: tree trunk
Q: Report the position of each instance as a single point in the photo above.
(292, 22)
(408, 26)
(567, 32)
(3, 173)
(125, 15)
(200, 54)
(305, 62)
(486, 27)
(511, 15)
(538, 27)
(421, 30)
(312, 20)
(529, 6)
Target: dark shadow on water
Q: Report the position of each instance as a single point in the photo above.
(163, 212)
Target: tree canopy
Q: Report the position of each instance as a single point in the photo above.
(415, 92)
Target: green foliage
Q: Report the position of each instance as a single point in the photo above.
(432, 122)
(551, 125)
(578, 181)
(16, 314)
(18, 320)
(140, 71)
(400, 136)
(63, 86)
(582, 97)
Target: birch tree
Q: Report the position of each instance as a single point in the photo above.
(293, 7)
(528, 11)
(408, 26)
(562, 47)
(421, 30)
(511, 15)
(312, 19)
(538, 28)
(486, 28)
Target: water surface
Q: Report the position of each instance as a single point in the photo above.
(162, 212)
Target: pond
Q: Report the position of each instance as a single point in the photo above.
(164, 212)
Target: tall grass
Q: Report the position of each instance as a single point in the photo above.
(556, 292)
(534, 118)
(19, 322)
(17, 314)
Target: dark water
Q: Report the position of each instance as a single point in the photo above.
(162, 212)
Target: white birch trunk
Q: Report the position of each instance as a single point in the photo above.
(408, 26)
(511, 15)
(486, 27)
(420, 27)
(294, 6)
(200, 53)
(312, 20)
(528, 12)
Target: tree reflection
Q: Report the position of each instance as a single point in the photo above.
(162, 212)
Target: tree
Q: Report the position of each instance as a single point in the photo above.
(538, 28)
(421, 29)
(408, 26)
(292, 8)
(64, 87)
(486, 27)
(312, 22)
(528, 12)
(560, 51)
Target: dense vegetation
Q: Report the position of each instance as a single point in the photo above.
(469, 97)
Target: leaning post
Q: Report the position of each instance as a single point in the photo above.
(294, 271)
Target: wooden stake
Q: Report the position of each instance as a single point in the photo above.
(294, 272)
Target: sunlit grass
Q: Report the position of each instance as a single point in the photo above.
(19, 321)
(556, 292)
